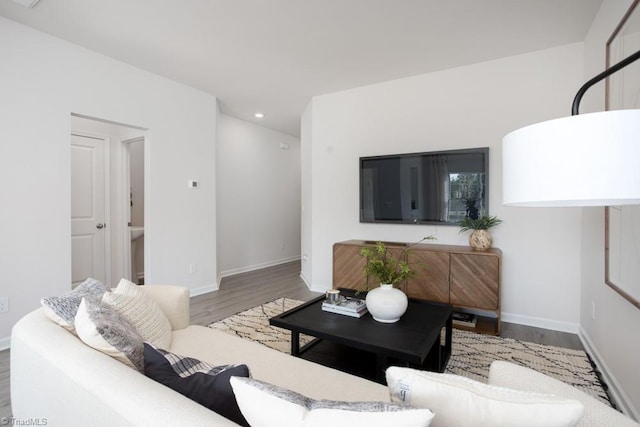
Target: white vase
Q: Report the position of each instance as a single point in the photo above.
(386, 303)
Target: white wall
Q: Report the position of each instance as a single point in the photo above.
(306, 269)
(43, 80)
(258, 196)
(613, 336)
(471, 106)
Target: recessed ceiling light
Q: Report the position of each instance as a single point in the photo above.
(259, 115)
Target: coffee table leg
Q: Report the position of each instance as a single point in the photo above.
(439, 354)
(381, 366)
(436, 355)
(295, 343)
(446, 351)
(448, 339)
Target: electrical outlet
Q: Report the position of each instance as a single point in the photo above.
(4, 304)
(193, 268)
(593, 310)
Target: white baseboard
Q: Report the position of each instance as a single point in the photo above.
(203, 290)
(318, 288)
(5, 343)
(540, 322)
(311, 287)
(305, 280)
(253, 267)
(616, 393)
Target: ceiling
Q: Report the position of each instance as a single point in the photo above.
(272, 56)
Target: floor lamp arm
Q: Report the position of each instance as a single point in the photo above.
(606, 73)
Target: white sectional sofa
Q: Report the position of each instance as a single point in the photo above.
(55, 376)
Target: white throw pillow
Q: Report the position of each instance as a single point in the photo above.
(266, 405)
(105, 330)
(144, 314)
(459, 401)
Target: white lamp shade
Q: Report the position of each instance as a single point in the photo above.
(583, 160)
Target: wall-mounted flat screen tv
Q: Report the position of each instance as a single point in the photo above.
(424, 188)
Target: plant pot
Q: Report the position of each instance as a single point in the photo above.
(480, 240)
(386, 303)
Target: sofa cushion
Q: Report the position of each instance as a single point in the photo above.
(267, 405)
(596, 413)
(143, 313)
(199, 381)
(105, 330)
(62, 309)
(309, 378)
(456, 400)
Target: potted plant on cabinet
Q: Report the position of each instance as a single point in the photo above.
(480, 237)
(390, 267)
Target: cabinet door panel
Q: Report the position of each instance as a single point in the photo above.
(475, 281)
(348, 267)
(431, 281)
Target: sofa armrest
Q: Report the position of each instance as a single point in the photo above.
(55, 376)
(517, 377)
(174, 301)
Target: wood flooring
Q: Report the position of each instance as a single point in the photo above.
(5, 400)
(243, 291)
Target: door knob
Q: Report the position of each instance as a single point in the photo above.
(99, 226)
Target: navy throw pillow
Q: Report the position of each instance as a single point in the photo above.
(199, 381)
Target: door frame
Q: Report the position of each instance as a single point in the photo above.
(106, 140)
(126, 207)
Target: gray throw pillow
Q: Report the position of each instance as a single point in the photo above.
(62, 309)
(105, 330)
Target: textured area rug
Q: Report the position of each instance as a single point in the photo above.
(253, 324)
(473, 353)
(471, 356)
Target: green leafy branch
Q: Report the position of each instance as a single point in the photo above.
(485, 222)
(385, 266)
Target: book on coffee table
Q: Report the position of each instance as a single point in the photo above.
(348, 306)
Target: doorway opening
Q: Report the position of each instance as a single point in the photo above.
(134, 183)
(107, 201)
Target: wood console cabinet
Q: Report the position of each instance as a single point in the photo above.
(458, 275)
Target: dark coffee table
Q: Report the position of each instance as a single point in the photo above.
(413, 341)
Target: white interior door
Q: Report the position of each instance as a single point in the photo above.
(88, 210)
